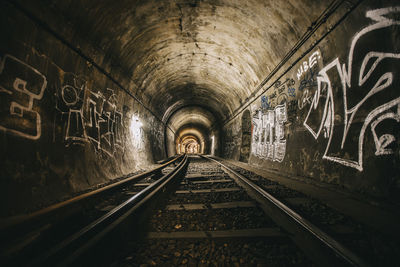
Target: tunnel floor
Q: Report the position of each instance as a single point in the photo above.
(210, 221)
(198, 224)
(209, 215)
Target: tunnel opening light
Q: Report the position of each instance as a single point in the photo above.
(136, 132)
(189, 144)
(192, 147)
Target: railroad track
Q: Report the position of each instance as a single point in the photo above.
(214, 214)
(218, 217)
(67, 232)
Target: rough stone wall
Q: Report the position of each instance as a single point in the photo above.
(333, 116)
(170, 140)
(231, 140)
(64, 125)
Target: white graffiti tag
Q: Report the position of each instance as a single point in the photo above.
(69, 102)
(307, 65)
(104, 122)
(88, 117)
(20, 87)
(369, 88)
(268, 136)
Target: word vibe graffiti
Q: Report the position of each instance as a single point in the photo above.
(307, 65)
(21, 87)
(89, 116)
(268, 136)
(364, 93)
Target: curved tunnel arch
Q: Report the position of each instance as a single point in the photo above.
(191, 120)
(184, 53)
(191, 53)
(189, 144)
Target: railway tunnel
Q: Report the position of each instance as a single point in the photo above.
(93, 92)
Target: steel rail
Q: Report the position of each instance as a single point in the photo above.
(96, 230)
(20, 219)
(344, 254)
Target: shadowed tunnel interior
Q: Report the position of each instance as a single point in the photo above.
(92, 91)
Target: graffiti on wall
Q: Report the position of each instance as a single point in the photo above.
(307, 85)
(268, 133)
(21, 88)
(280, 93)
(104, 121)
(83, 116)
(69, 103)
(88, 116)
(367, 94)
(308, 64)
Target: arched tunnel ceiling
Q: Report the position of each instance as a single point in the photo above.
(190, 132)
(191, 117)
(211, 53)
(190, 138)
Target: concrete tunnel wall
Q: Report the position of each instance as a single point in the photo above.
(88, 89)
(331, 113)
(64, 125)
